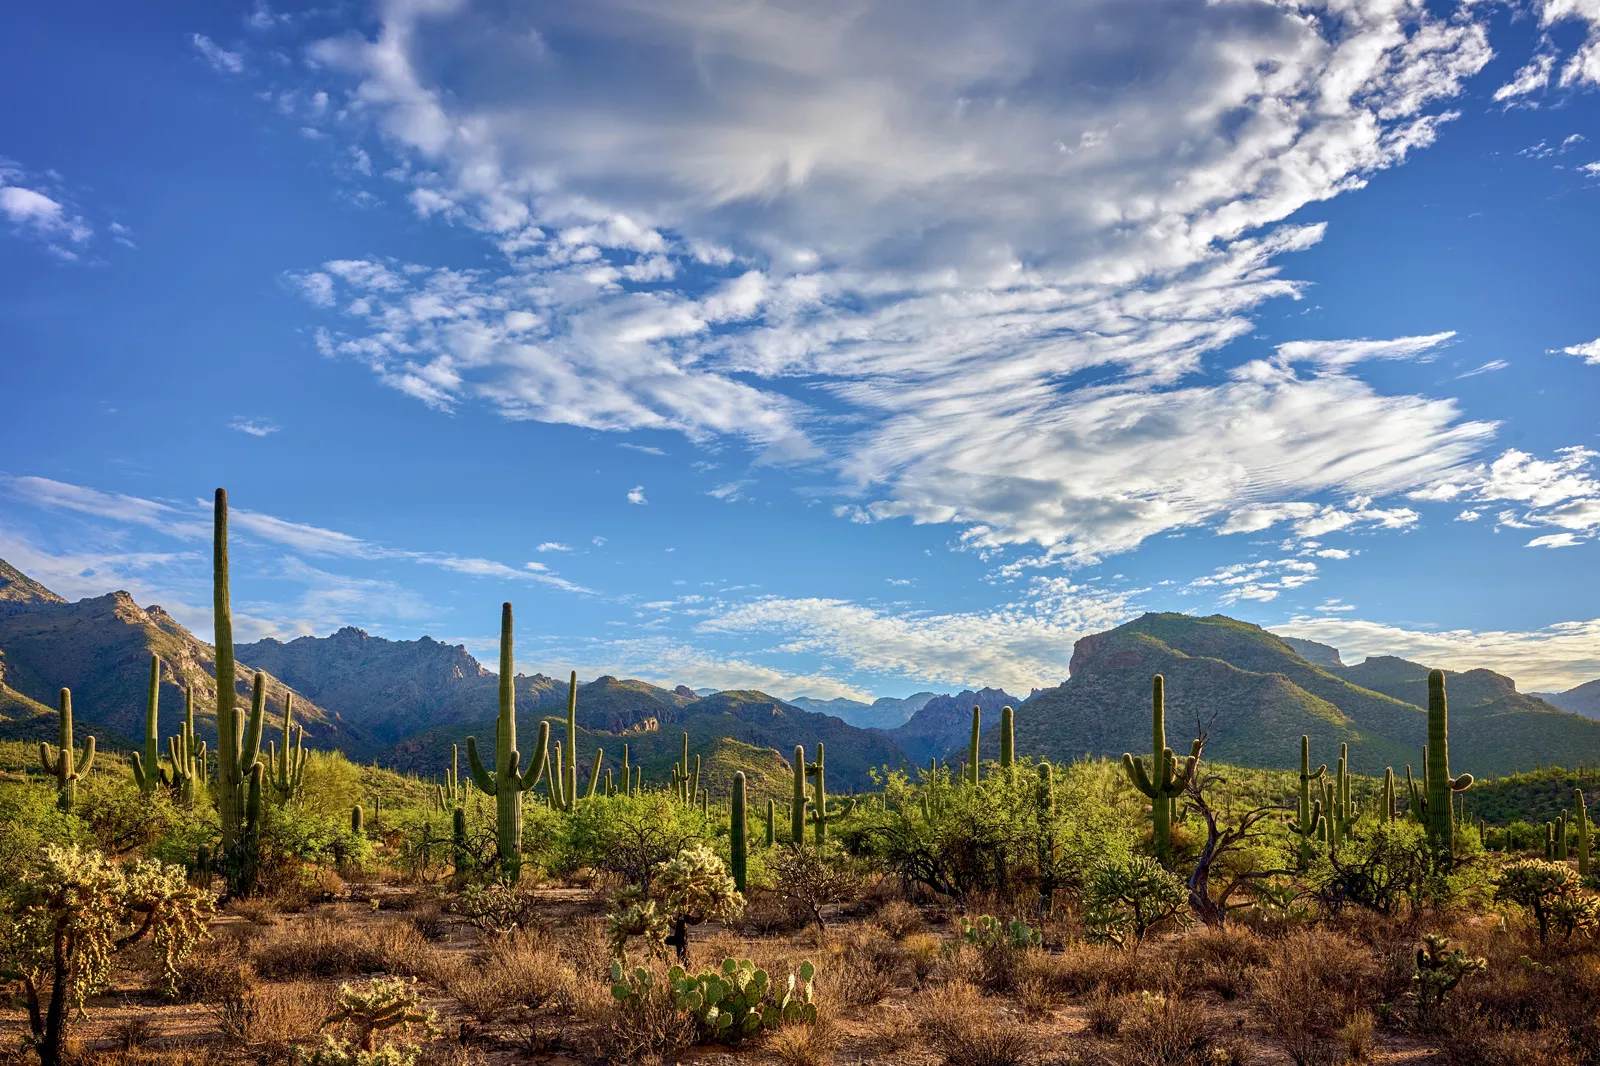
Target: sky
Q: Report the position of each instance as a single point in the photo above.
(840, 348)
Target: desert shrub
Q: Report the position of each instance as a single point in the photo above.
(1538, 886)
(516, 971)
(1315, 984)
(1223, 958)
(921, 953)
(645, 1023)
(1169, 1030)
(324, 947)
(30, 820)
(867, 969)
(629, 836)
(1385, 866)
(898, 918)
(805, 1045)
(122, 819)
(810, 881)
(69, 913)
(956, 1023)
(765, 911)
(1439, 970)
(1105, 1013)
(272, 1016)
(216, 973)
(498, 909)
(1124, 899)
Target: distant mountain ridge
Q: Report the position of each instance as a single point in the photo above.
(1584, 699)
(885, 712)
(944, 724)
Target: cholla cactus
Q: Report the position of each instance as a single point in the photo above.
(1538, 886)
(694, 888)
(1438, 972)
(72, 912)
(389, 1008)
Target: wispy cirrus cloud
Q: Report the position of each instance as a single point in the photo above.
(1349, 352)
(255, 427)
(220, 59)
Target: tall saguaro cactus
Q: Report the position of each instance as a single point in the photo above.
(569, 767)
(1388, 794)
(1433, 805)
(147, 771)
(508, 781)
(1309, 823)
(1008, 745)
(1163, 782)
(821, 813)
(797, 809)
(1343, 814)
(67, 766)
(972, 746)
(738, 833)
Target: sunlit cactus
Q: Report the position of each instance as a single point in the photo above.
(147, 770)
(1433, 804)
(1164, 781)
(66, 766)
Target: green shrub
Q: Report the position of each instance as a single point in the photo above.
(1125, 898)
(1538, 886)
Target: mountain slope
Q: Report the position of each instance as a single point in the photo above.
(100, 648)
(1264, 695)
(1584, 700)
(944, 724)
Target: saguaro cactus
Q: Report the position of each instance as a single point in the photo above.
(594, 771)
(285, 768)
(1344, 813)
(508, 781)
(1561, 837)
(1008, 747)
(627, 772)
(972, 746)
(1433, 805)
(821, 813)
(569, 768)
(187, 754)
(1164, 782)
(772, 828)
(1309, 823)
(1580, 821)
(147, 771)
(238, 737)
(797, 809)
(1388, 794)
(358, 820)
(67, 766)
(455, 790)
(738, 832)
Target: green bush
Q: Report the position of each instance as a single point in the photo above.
(1125, 898)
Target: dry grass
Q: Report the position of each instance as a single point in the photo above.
(1226, 959)
(805, 1045)
(1170, 1030)
(327, 947)
(963, 1029)
(1316, 984)
(898, 918)
(522, 971)
(213, 972)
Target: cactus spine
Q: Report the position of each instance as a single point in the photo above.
(286, 767)
(1008, 747)
(738, 833)
(147, 770)
(187, 755)
(1434, 804)
(508, 781)
(972, 746)
(1309, 823)
(67, 766)
(1164, 782)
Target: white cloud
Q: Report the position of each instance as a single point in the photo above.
(1487, 368)
(1316, 520)
(1018, 645)
(42, 216)
(1533, 76)
(914, 212)
(636, 495)
(221, 60)
(1555, 657)
(666, 662)
(1561, 491)
(1261, 581)
(730, 492)
(1469, 515)
(255, 427)
(1555, 540)
(1345, 353)
(1590, 352)
(553, 546)
(645, 448)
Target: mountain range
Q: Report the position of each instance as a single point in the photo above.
(404, 703)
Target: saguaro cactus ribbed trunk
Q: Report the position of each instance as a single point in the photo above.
(1580, 820)
(1434, 804)
(147, 771)
(1164, 782)
(508, 781)
(67, 766)
(1008, 746)
(738, 832)
(1309, 823)
(972, 746)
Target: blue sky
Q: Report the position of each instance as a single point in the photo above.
(827, 348)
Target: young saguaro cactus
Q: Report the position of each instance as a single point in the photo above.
(1163, 782)
(569, 768)
(1309, 823)
(738, 832)
(508, 781)
(1344, 811)
(594, 771)
(147, 771)
(1561, 837)
(1388, 794)
(772, 828)
(1434, 804)
(67, 766)
(797, 809)
(285, 768)
(461, 856)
